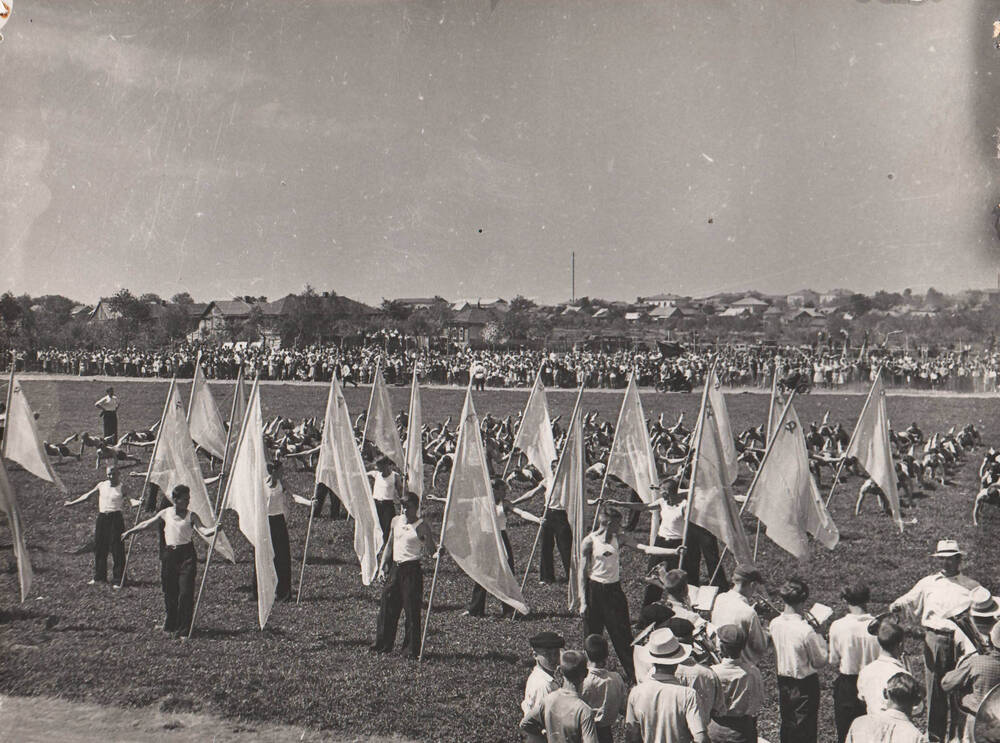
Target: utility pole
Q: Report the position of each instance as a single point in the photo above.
(572, 272)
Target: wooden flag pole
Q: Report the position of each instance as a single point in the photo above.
(194, 379)
(607, 467)
(218, 518)
(444, 523)
(149, 470)
(10, 397)
(702, 414)
(753, 483)
(843, 460)
(767, 440)
(312, 508)
(229, 435)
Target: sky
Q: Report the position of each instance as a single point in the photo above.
(447, 147)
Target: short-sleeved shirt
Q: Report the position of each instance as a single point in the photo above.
(564, 717)
(705, 684)
(406, 542)
(798, 649)
(540, 682)
(873, 678)
(110, 497)
(605, 691)
(664, 710)
(732, 607)
(108, 402)
(852, 647)
(742, 687)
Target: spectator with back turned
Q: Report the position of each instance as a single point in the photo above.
(852, 647)
(742, 688)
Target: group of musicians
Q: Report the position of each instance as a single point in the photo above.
(875, 691)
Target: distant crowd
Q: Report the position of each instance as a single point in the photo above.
(741, 366)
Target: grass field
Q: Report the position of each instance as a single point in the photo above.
(310, 665)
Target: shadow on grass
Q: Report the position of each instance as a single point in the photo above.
(222, 633)
(22, 615)
(492, 657)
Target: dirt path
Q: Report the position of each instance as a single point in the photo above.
(47, 720)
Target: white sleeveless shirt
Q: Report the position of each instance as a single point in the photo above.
(177, 531)
(604, 562)
(406, 542)
(109, 497)
(384, 488)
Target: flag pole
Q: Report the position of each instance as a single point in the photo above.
(618, 425)
(312, 508)
(843, 460)
(149, 470)
(753, 483)
(444, 523)
(194, 381)
(229, 435)
(10, 397)
(371, 399)
(218, 518)
(767, 440)
(409, 416)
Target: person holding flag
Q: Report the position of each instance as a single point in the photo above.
(386, 489)
(277, 511)
(178, 561)
(109, 527)
(404, 580)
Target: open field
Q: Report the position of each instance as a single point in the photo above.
(310, 666)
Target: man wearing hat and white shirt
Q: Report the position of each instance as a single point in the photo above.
(661, 709)
(974, 676)
(562, 715)
(932, 601)
(735, 607)
(545, 646)
(873, 677)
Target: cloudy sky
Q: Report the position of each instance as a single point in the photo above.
(383, 149)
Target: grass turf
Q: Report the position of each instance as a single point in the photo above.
(310, 665)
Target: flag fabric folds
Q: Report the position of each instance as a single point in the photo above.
(470, 531)
(341, 469)
(713, 506)
(720, 417)
(246, 494)
(631, 457)
(380, 428)
(534, 434)
(414, 441)
(205, 422)
(22, 443)
(870, 445)
(176, 463)
(784, 495)
(567, 489)
(8, 506)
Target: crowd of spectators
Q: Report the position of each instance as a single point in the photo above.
(740, 366)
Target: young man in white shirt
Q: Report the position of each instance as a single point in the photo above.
(893, 724)
(602, 689)
(108, 405)
(562, 714)
(852, 647)
(873, 677)
(386, 491)
(108, 529)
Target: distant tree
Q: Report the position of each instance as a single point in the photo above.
(182, 298)
(395, 310)
(150, 298)
(934, 298)
(858, 304)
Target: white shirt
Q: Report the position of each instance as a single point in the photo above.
(384, 488)
(109, 497)
(501, 517)
(936, 598)
(732, 607)
(406, 542)
(672, 520)
(891, 726)
(799, 650)
(851, 647)
(108, 402)
(604, 562)
(872, 680)
(540, 682)
(176, 531)
(277, 502)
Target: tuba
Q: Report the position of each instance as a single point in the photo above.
(963, 621)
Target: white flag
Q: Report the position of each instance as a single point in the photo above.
(784, 495)
(631, 456)
(21, 442)
(207, 429)
(470, 531)
(341, 469)
(720, 417)
(246, 494)
(381, 428)
(567, 490)
(176, 463)
(534, 434)
(870, 444)
(414, 441)
(8, 506)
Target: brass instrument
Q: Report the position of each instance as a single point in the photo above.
(986, 726)
(764, 606)
(964, 623)
(702, 640)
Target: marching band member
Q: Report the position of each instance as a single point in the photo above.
(932, 601)
(852, 647)
(800, 652)
(742, 687)
(735, 607)
(973, 678)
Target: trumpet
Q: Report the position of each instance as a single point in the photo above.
(764, 606)
(702, 640)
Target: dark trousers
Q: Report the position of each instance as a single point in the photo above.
(701, 543)
(605, 734)
(479, 384)
(556, 531)
(404, 590)
(733, 729)
(939, 658)
(177, 571)
(282, 558)
(109, 421)
(386, 511)
(798, 701)
(477, 606)
(336, 507)
(607, 609)
(846, 705)
(108, 537)
(655, 593)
